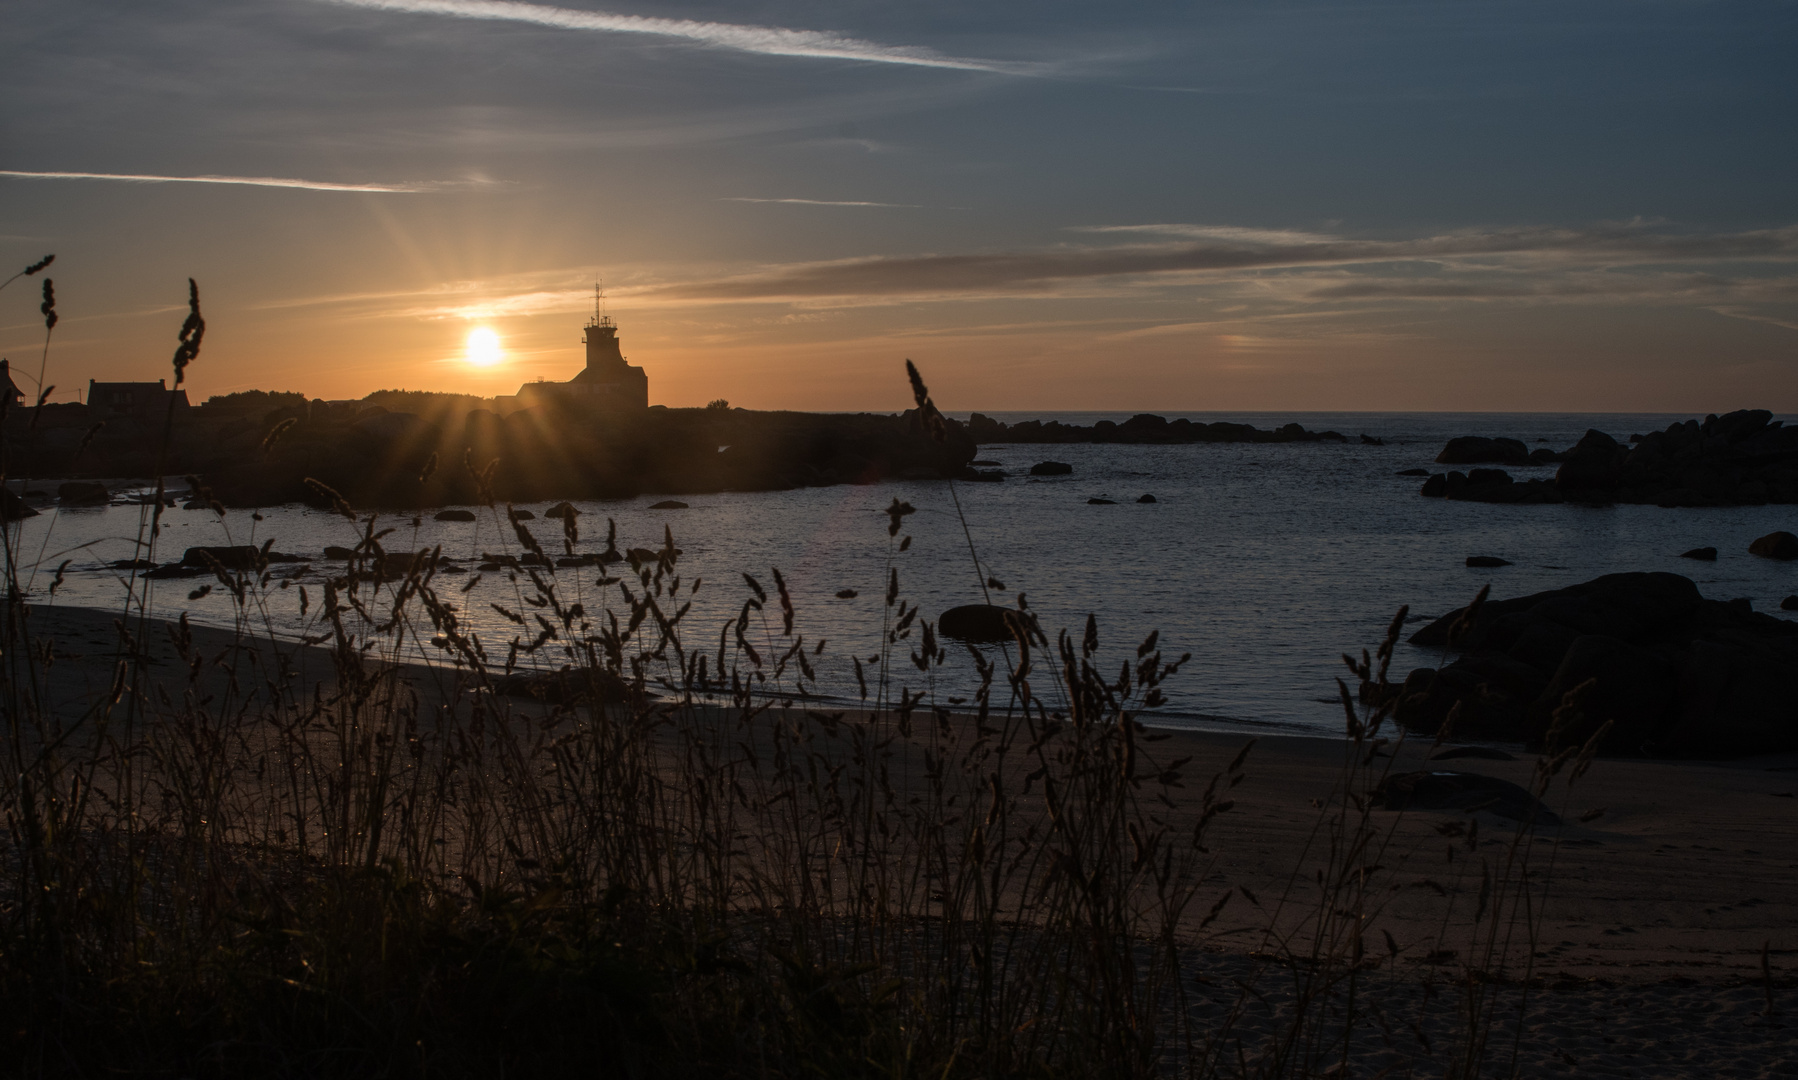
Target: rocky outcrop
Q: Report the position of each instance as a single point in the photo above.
(1142, 428)
(83, 493)
(1478, 450)
(1488, 485)
(1743, 458)
(1677, 675)
(1051, 468)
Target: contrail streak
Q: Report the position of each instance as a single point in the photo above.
(821, 202)
(252, 181)
(769, 40)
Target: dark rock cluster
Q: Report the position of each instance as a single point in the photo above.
(1743, 458)
(1142, 428)
(1676, 674)
(1477, 450)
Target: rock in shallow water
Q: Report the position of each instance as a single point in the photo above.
(1477, 450)
(1779, 545)
(1703, 554)
(978, 623)
(1051, 468)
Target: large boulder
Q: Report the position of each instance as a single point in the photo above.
(1778, 545)
(1478, 450)
(233, 557)
(83, 493)
(1674, 673)
(978, 623)
(13, 508)
(1594, 464)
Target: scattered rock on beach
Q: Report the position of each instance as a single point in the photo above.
(1462, 792)
(1703, 554)
(1051, 468)
(1486, 560)
(83, 493)
(1148, 499)
(1779, 545)
(523, 515)
(668, 504)
(233, 557)
(13, 508)
(332, 551)
(1484, 753)
(453, 515)
(562, 510)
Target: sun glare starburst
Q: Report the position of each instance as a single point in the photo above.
(483, 347)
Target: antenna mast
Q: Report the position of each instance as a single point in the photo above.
(600, 318)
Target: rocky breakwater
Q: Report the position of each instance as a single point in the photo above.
(451, 454)
(1675, 674)
(1142, 428)
(1745, 458)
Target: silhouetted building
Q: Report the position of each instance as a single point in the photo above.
(13, 395)
(606, 380)
(132, 398)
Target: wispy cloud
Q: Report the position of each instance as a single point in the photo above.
(1243, 234)
(1255, 250)
(250, 181)
(822, 202)
(767, 40)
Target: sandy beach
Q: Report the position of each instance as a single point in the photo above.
(1649, 956)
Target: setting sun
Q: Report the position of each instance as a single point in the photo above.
(483, 347)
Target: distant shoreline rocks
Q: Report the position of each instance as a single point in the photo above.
(1142, 428)
(1744, 458)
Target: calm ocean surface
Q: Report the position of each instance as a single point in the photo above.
(1266, 562)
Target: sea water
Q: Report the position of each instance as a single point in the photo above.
(1266, 562)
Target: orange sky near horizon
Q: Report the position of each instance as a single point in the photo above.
(1372, 207)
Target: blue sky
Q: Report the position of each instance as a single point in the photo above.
(1579, 206)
